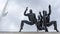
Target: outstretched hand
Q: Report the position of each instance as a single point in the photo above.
(26, 8)
(39, 12)
(49, 6)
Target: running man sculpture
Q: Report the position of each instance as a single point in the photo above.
(31, 16)
(46, 20)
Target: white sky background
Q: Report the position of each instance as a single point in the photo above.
(16, 8)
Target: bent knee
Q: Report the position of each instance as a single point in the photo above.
(54, 22)
(23, 21)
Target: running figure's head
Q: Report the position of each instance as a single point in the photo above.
(39, 12)
(30, 10)
(44, 12)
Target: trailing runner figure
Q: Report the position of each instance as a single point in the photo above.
(31, 16)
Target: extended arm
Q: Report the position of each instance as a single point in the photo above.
(40, 14)
(38, 17)
(49, 10)
(25, 11)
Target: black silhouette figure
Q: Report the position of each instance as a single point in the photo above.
(32, 19)
(46, 20)
(40, 22)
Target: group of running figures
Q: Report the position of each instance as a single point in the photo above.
(42, 22)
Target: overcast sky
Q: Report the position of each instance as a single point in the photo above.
(11, 22)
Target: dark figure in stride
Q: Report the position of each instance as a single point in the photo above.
(32, 19)
(46, 20)
(40, 22)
